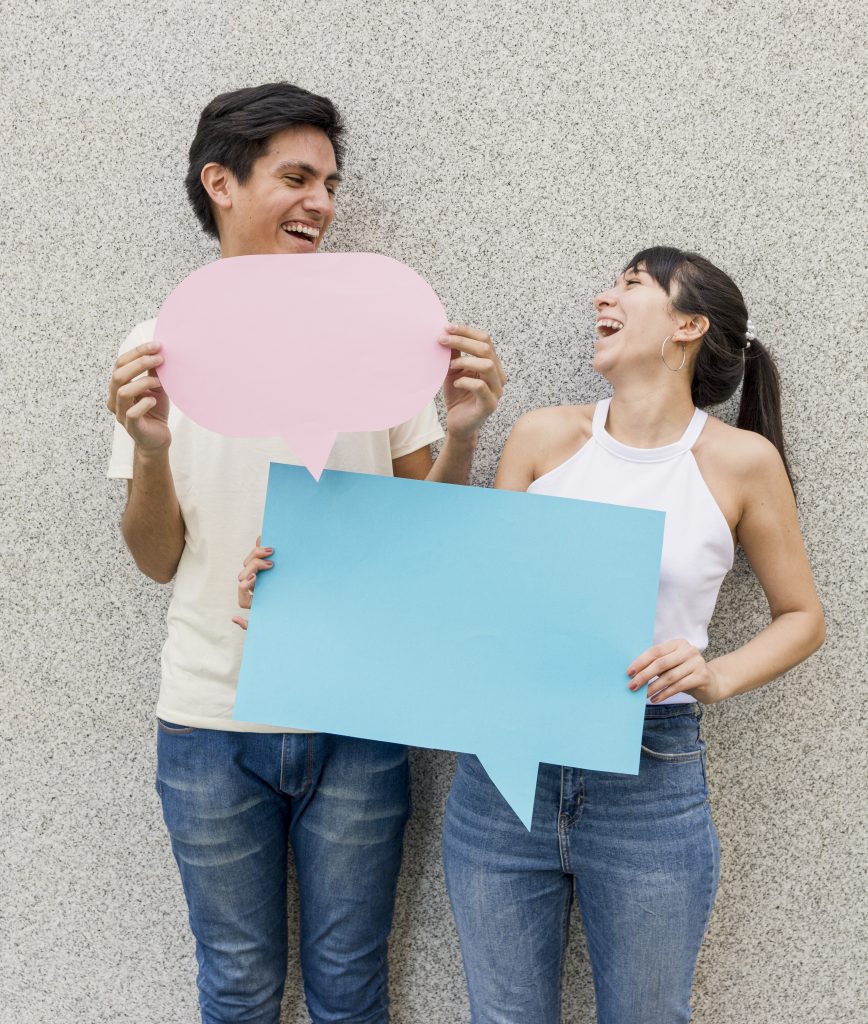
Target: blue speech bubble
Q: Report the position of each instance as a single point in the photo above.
(483, 621)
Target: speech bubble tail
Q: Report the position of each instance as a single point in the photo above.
(515, 777)
(313, 450)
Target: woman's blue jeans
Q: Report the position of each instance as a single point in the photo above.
(642, 853)
(232, 803)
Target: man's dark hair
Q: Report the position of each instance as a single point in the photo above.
(235, 127)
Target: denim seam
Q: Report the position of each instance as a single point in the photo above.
(563, 825)
(308, 774)
(715, 866)
(282, 782)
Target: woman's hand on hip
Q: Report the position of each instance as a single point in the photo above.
(675, 666)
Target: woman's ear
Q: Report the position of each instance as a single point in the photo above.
(692, 329)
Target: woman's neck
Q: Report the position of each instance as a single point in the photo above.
(649, 416)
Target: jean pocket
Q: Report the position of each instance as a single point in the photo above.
(173, 729)
(681, 757)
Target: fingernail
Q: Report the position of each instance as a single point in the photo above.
(632, 686)
(252, 576)
(268, 551)
(269, 564)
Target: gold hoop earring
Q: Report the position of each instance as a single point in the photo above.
(674, 369)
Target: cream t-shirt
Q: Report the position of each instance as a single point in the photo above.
(221, 483)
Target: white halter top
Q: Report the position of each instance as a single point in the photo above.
(697, 542)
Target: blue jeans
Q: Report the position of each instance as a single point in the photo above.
(232, 803)
(642, 853)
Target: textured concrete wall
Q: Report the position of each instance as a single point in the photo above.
(514, 153)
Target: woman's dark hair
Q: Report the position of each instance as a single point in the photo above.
(235, 127)
(699, 288)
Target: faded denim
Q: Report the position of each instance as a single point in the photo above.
(641, 854)
(232, 802)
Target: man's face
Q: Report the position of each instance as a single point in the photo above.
(287, 203)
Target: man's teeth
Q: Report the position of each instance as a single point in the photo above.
(300, 229)
(613, 325)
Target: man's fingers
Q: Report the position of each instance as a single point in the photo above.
(476, 343)
(141, 408)
(240, 622)
(132, 391)
(486, 368)
(138, 352)
(476, 385)
(129, 366)
(129, 371)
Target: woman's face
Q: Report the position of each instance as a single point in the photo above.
(633, 318)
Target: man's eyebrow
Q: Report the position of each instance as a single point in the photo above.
(299, 165)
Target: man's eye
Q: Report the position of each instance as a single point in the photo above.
(632, 280)
(294, 179)
(331, 190)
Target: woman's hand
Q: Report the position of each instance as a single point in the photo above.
(258, 560)
(675, 667)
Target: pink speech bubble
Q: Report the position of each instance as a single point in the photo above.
(302, 347)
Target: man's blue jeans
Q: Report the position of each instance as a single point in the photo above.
(643, 854)
(232, 802)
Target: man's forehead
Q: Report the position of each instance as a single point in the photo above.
(302, 147)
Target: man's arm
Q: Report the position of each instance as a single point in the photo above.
(152, 524)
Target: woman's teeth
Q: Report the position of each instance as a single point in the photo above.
(609, 327)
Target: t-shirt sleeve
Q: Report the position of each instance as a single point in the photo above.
(120, 465)
(424, 428)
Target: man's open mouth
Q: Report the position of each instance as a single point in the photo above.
(298, 230)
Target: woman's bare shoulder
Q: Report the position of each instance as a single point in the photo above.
(549, 436)
(740, 452)
(555, 424)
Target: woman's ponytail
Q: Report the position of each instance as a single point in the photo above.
(760, 407)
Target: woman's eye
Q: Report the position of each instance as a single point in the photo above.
(633, 280)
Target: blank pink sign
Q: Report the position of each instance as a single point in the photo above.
(302, 347)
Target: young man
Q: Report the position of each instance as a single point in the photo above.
(264, 168)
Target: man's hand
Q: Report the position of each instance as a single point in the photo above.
(138, 402)
(474, 383)
(258, 560)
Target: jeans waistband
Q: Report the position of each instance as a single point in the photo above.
(669, 710)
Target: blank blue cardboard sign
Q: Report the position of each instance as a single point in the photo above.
(483, 621)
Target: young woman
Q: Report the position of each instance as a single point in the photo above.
(641, 851)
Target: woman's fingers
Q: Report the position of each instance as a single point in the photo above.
(669, 683)
(240, 622)
(261, 554)
(257, 561)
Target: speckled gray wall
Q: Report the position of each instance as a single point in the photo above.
(514, 153)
